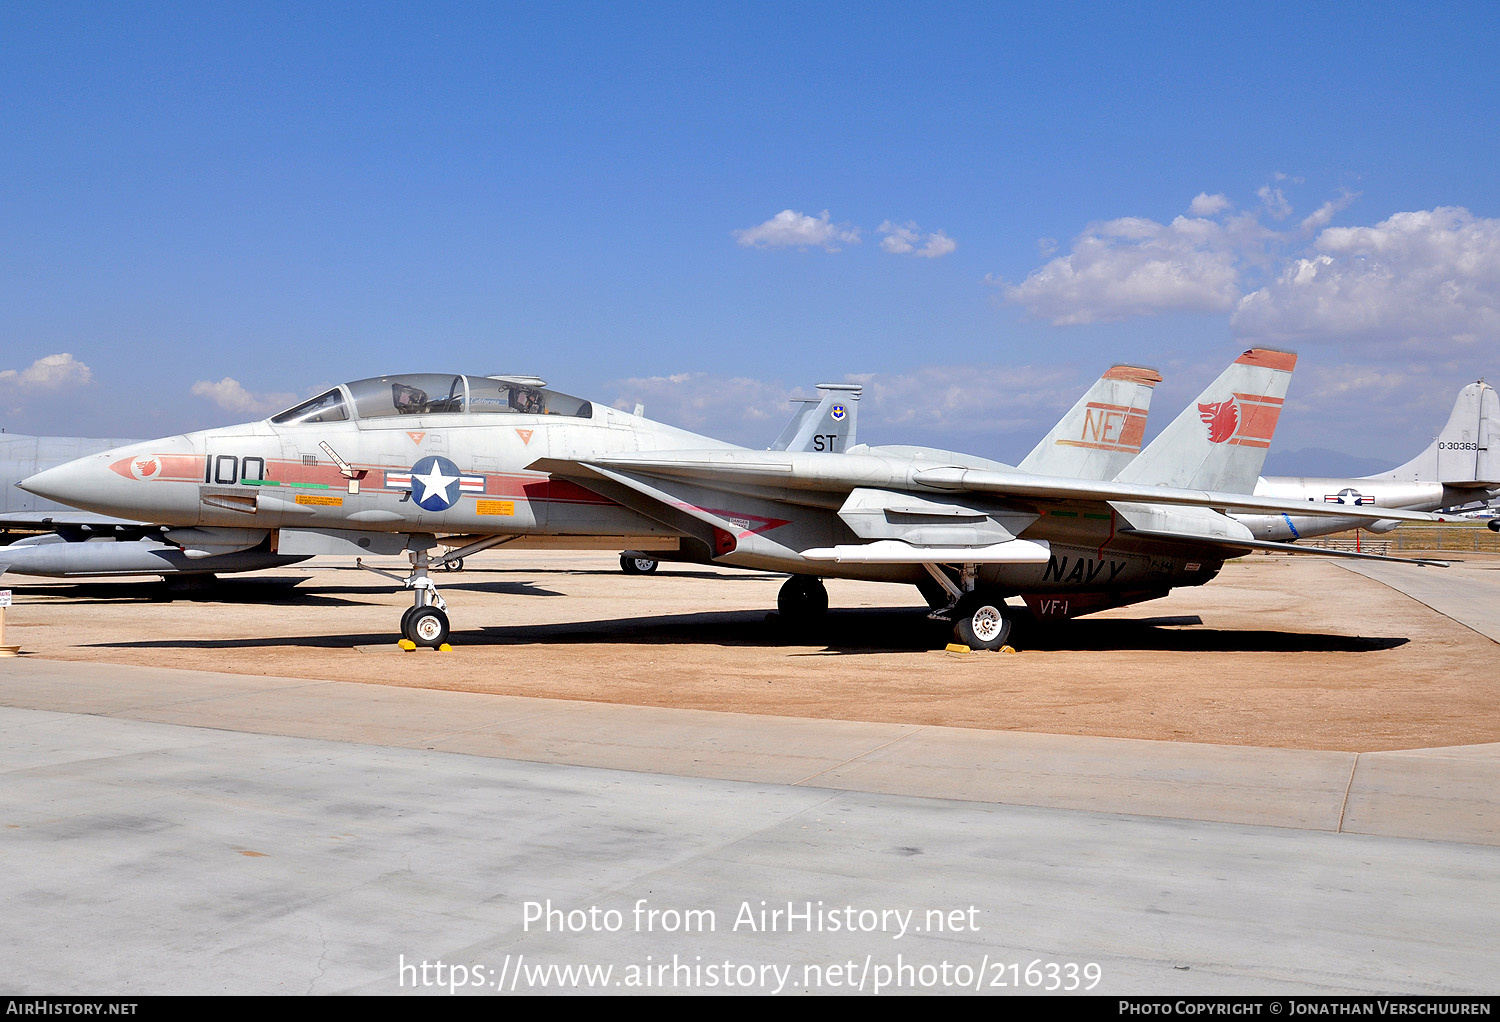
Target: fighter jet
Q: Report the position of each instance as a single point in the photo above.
(1460, 467)
(457, 464)
(49, 539)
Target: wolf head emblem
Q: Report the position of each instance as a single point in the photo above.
(1222, 420)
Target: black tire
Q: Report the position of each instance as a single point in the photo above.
(982, 621)
(405, 618)
(802, 600)
(427, 626)
(631, 564)
(1493, 525)
(457, 565)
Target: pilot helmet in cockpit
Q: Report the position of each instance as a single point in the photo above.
(408, 400)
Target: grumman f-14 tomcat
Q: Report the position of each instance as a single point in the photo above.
(456, 464)
(41, 537)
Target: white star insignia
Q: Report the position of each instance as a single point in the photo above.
(434, 482)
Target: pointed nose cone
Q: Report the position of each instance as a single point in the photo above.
(68, 483)
(133, 482)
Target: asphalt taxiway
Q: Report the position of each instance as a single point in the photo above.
(172, 831)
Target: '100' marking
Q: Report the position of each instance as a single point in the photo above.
(226, 468)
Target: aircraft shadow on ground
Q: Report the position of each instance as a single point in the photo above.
(898, 630)
(269, 591)
(343, 641)
(1164, 634)
(275, 592)
(842, 633)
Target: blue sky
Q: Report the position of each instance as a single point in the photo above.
(208, 211)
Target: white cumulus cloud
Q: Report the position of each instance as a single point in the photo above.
(1321, 217)
(1414, 279)
(1208, 205)
(908, 239)
(965, 400)
(50, 372)
(1275, 202)
(231, 396)
(1133, 266)
(738, 409)
(791, 228)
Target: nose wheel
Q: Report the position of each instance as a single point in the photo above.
(426, 626)
(425, 622)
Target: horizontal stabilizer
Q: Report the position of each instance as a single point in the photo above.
(1286, 548)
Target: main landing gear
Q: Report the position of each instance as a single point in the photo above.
(802, 601)
(981, 620)
(636, 564)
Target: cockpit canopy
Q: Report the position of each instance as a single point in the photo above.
(434, 394)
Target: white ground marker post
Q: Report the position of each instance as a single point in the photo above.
(5, 602)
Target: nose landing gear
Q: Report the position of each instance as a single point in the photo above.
(425, 622)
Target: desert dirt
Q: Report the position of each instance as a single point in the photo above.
(1277, 651)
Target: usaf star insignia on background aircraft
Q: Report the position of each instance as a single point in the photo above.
(967, 531)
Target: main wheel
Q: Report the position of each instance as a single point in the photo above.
(802, 599)
(980, 621)
(457, 565)
(426, 626)
(633, 565)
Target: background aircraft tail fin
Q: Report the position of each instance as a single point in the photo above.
(1102, 432)
(1219, 441)
(1467, 451)
(825, 423)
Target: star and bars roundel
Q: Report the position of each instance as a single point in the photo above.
(436, 483)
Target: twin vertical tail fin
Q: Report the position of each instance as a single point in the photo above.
(1467, 452)
(1102, 432)
(1219, 442)
(825, 423)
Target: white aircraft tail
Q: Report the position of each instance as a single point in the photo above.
(1467, 451)
(824, 423)
(1102, 432)
(1219, 441)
